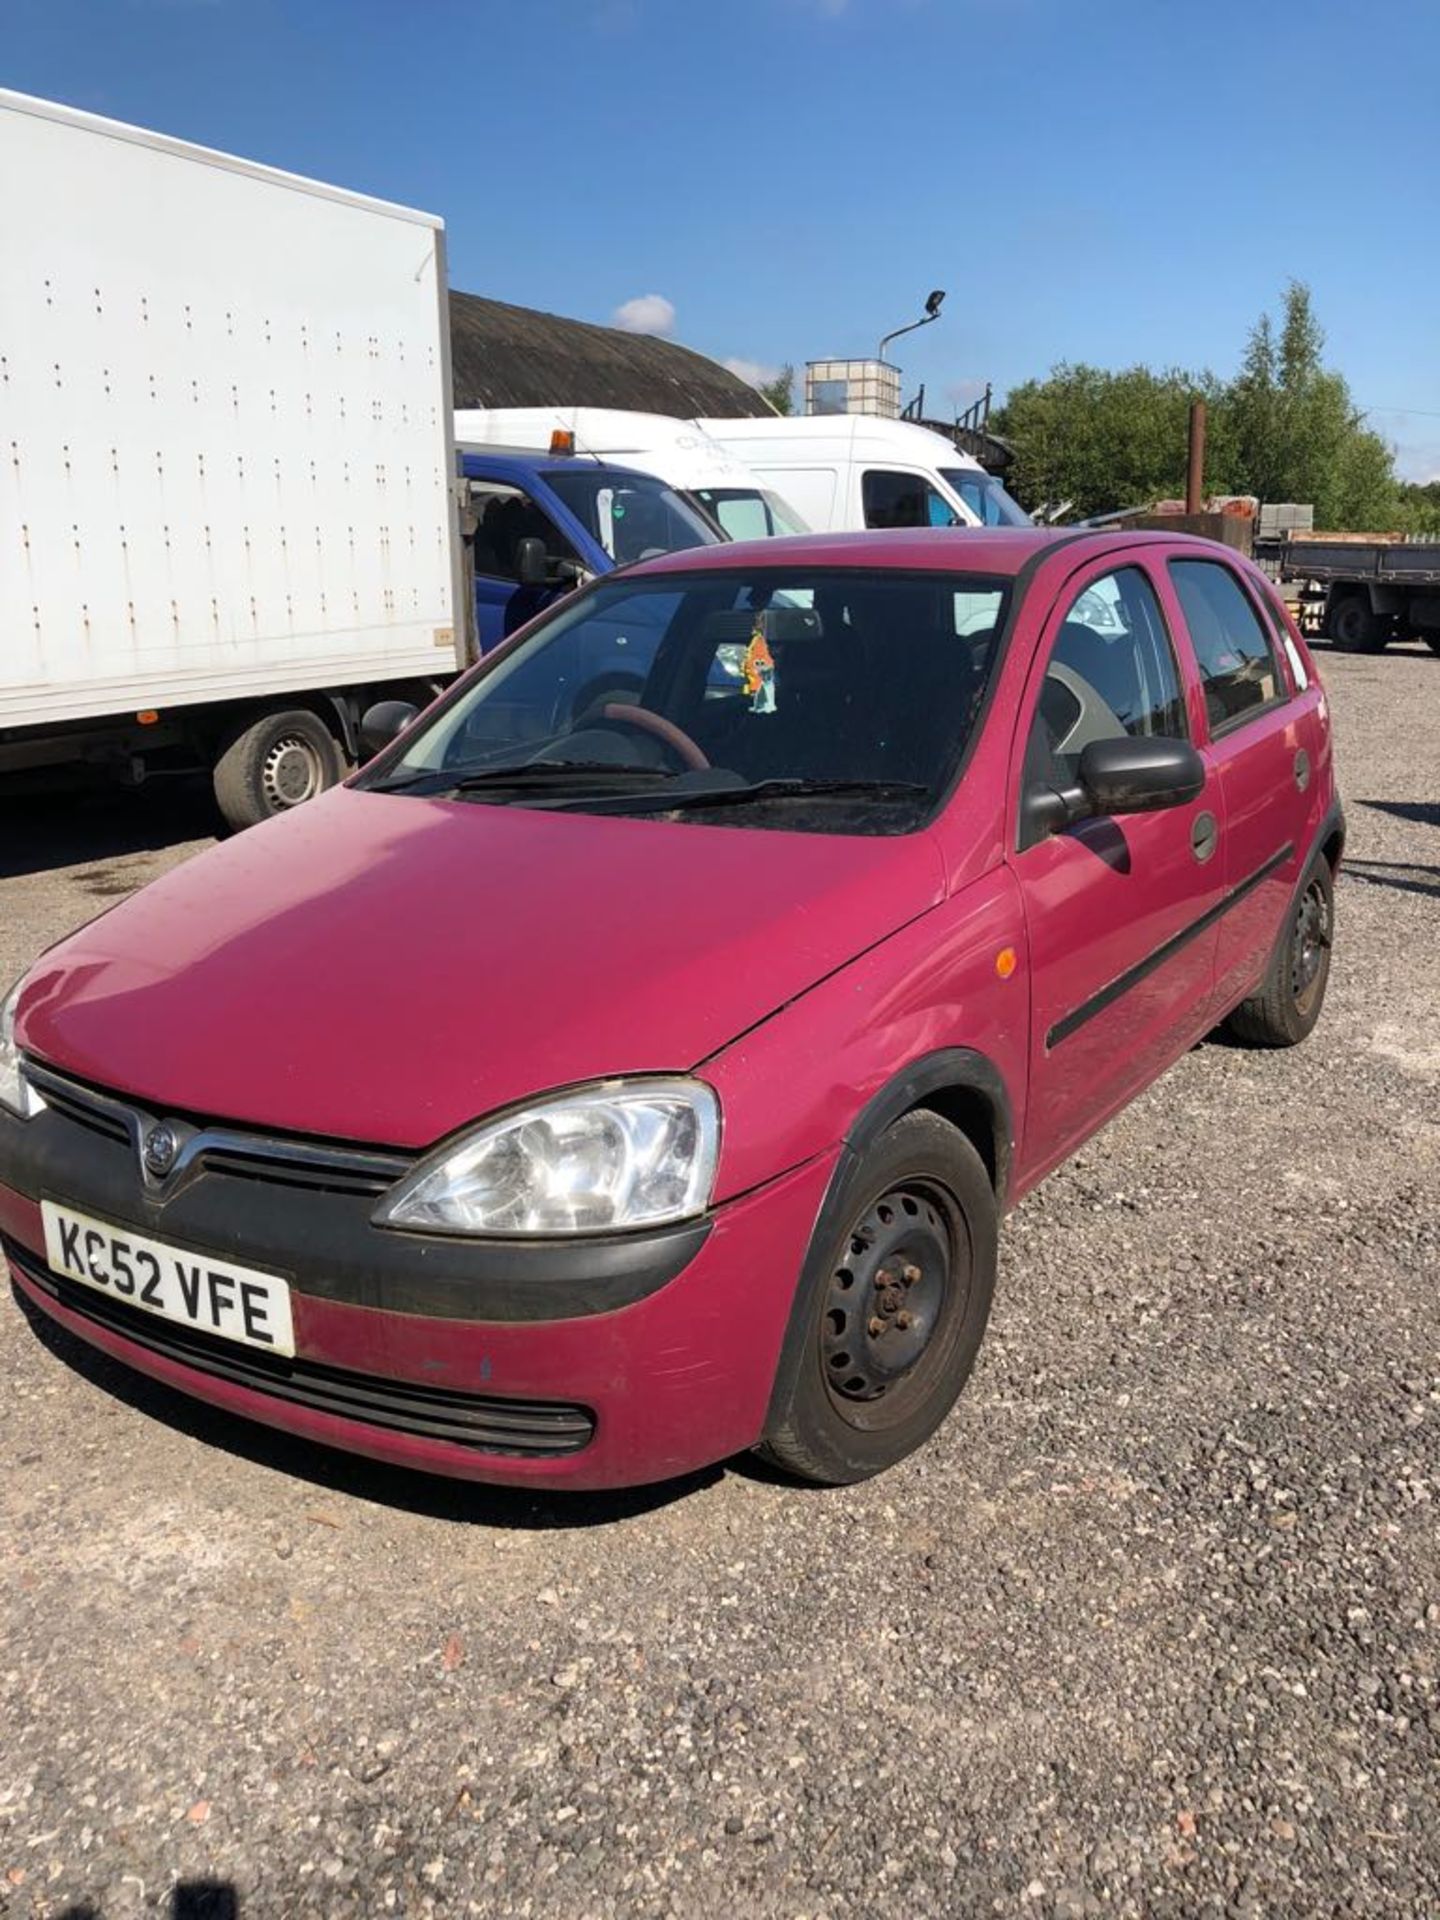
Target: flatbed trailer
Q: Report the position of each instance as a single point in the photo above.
(1365, 590)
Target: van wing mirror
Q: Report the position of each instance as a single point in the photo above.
(382, 723)
(530, 561)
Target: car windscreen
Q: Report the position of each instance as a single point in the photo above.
(825, 700)
(631, 515)
(986, 498)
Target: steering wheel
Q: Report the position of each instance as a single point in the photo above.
(679, 742)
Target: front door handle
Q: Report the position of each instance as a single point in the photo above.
(1204, 837)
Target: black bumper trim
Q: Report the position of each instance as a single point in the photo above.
(487, 1423)
(324, 1243)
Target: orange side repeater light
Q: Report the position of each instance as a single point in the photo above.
(1006, 961)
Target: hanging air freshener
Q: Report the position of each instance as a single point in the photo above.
(760, 670)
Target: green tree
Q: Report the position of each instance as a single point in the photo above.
(1285, 428)
(1294, 432)
(1102, 440)
(780, 391)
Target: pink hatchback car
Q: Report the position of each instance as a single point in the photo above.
(616, 1076)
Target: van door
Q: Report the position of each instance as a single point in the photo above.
(504, 516)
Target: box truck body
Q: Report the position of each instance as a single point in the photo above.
(228, 489)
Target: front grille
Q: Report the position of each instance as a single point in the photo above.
(487, 1423)
(66, 1098)
(322, 1166)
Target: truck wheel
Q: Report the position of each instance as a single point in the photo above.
(1288, 1004)
(1355, 627)
(275, 763)
(889, 1320)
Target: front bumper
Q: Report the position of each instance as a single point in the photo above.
(658, 1361)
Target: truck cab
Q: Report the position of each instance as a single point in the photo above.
(588, 515)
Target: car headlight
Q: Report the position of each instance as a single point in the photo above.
(637, 1153)
(14, 1093)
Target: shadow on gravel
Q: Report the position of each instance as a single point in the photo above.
(1421, 813)
(44, 830)
(431, 1495)
(1380, 873)
(189, 1900)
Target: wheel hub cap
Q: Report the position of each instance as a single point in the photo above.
(291, 773)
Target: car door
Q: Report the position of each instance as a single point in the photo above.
(1119, 910)
(1260, 749)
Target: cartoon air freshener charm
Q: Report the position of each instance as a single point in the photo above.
(759, 670)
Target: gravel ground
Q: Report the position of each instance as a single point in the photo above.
(1150, 1628)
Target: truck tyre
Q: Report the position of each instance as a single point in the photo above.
(1292, 993)
(273, 764)
(1355, 627)
(892, 1309)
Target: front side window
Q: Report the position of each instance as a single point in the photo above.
(1236, 659)
(631, 515)
(830, 701)
(504, 516)
(1111, 673)
(991, 505)
(894, 499)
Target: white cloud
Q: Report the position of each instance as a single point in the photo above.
(758, 373)
(646, 313)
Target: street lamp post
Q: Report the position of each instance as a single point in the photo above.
(932, 312)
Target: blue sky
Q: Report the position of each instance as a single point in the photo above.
(1115, 181)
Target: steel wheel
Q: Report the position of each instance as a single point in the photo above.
(1310, 943)
(891, 1308)
(884, 1302)
(291, 772)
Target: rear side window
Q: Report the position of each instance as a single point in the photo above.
(904, 500)
(1234, 653)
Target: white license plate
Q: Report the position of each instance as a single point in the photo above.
(213, 1296)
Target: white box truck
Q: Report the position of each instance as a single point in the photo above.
(228, 511)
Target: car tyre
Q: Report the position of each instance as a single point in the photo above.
(891, 1310)
(273, 764)
(1356, 628)
(1432, 640)
(1284, 1011)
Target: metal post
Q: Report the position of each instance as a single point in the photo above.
(1195, 476)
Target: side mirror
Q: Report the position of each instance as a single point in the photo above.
(530, 561)
(1140, 776)
(384, 722)
(1124, 775)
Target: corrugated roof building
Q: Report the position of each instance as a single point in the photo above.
(504, 356)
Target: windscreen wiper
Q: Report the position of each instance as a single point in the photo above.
(739, 794)
(525, 774)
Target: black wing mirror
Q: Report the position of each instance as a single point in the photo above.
(384, 722)
(1124, 775)
(531, 563)
(1140, 776)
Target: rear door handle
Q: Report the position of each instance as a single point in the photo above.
(1204, 837)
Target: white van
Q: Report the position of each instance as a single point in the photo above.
(845, 471)
(679, 452)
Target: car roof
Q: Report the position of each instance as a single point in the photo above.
(1001, 551)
